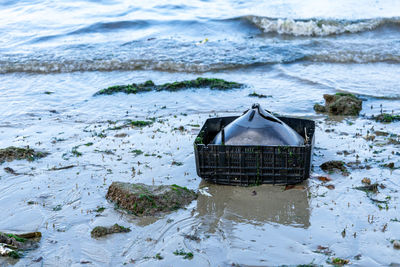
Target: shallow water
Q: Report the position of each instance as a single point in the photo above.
(293, 51)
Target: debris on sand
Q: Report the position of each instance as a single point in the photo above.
(340, 104)
(389, 165)
(142, 200)
(17, 153)
(10, 170)
(12, 245)
(334, 166)
(100, 231)
(369, 188)
(214, 84)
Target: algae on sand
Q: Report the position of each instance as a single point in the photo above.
(142, 199)
(212, 83)
(334, 165)
(12, 153)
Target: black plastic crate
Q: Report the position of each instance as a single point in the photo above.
(252, 165)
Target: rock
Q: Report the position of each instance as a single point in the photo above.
(396, 244)
(384, 117)
(12, 244)
(366, 181)
(381, 133)
(12, 153)
(340, 104)
(100, 231)
(121, 135)
(143, 200)
(334, 165)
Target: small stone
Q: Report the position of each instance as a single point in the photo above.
(366, 181)
(396, 244)
(121, 135)
(381, 133)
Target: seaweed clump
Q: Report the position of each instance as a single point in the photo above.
(340, 104)
(13, 245)
(333, 166)
(100, 231)
(142, 200)
(17, 153)
(254, 94)
(212, 83)
(385, 117)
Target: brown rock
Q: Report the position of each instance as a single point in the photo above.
(142, 199)
(340, 104)
(100, 231)
(366, 181)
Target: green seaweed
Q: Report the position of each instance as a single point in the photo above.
(100, 209)
(175, 186)
(158, 256)
(186, 255)
(212, 83)
(176, 163)
(199, 140)
(137, 152)
(14, 254)
(17, 153)
(140, 123)
(385, 117)
(75, 151)
(254, 94)
(17, 238)
(339, 261)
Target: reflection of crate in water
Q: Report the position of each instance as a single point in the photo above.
(254, 205)
(250, 165)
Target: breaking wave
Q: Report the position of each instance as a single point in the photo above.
(35, 66)
(319, 27)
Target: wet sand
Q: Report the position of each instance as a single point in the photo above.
(255, 226)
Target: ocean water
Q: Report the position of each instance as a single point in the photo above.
(293, 51)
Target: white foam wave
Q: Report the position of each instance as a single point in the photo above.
(333, 55)
(315, 27)
(35, 66)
